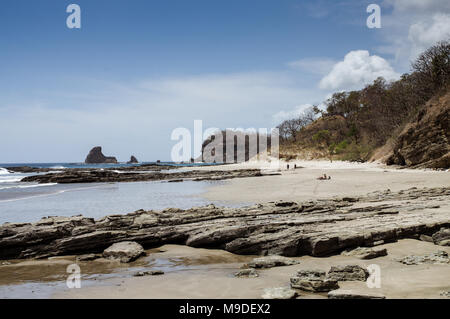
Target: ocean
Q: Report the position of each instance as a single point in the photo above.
(28, 202)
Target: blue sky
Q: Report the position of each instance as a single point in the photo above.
(138, 69)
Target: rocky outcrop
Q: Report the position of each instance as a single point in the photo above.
(366, 252)
(124, 252)
(442, 237)
(110, 176)
(313, 281)
(425, 142)
(96, 156)
(348, 273)
(133, 160)
(316, 228)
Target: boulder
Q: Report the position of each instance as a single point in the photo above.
(366, 253)
(348, 273)
(96, 156)
(125, 252)
(442, 237)
(133, 160)
(350, 294)
(279, 293)
(272, 261)
(314, 281)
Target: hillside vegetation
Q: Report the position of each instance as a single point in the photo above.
(405, 122)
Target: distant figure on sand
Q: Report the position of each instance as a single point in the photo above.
(288, 166)
(324, 177)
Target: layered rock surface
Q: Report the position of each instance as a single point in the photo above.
(314, 228)
(109, 176)
(425, 141)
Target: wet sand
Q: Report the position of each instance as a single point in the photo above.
(209, 274)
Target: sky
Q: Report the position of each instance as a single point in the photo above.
(138, 69)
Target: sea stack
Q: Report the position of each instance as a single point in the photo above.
(96, 156)
(133, 160)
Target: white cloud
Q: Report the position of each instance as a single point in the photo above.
(424, 34)
(287, 115)
(413, 26)
(357, 69)
(418, 6)
(320, 66)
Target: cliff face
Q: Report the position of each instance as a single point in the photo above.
(424, 142)
(96, 156)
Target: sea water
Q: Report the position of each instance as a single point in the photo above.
(29, 202)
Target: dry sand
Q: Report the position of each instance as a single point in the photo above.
(347, 179)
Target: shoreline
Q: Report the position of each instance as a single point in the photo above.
(416, 205)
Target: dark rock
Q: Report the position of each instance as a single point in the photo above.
(88, 257)
(133, 160)
(96, 156)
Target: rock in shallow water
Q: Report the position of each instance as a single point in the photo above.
(246, 273)
(314, 281)
(279, 293)
(125, 252)
(149, 273)
(272, 261)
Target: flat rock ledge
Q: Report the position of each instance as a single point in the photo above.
(316, 228)
(279, 293)
(350, 294)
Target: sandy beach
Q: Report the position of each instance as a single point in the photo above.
(347, 179)
(209, 273)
